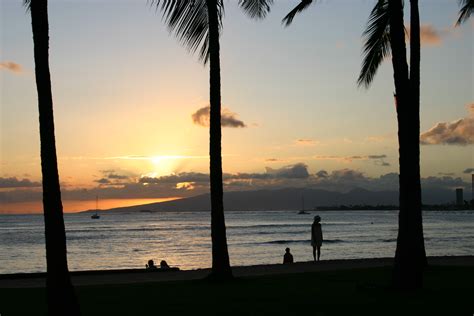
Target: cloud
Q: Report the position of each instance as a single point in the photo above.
(429, 36)
(322, 174)
(347, 175)
(375, 139)
(112, 178)
(377, 159)
(201, 116)
(117, 176)
(376, 156)
(11, 66)
(7, 183)
(272, 160)
(468, 170)
(186, 184)
(446, 173)
(306, 142)
(347, 179)
(194, 177)
(460, 132)
(296, 171)
(103, 181)
(446, 182)
(228, 118)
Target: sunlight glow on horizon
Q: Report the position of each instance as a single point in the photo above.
(75, 206)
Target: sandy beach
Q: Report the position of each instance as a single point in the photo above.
(130, 276)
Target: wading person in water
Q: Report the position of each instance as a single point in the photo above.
(316, 237)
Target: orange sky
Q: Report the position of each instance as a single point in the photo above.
(71, 206)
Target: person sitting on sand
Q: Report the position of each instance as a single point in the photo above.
(150, 265)
(288, 257)
(164, 265)
(316, 237)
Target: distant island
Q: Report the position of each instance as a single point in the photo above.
(290, 199)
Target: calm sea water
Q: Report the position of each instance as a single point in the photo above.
(128, 240)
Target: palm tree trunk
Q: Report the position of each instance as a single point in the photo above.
(415, 50)
(220, 255)
(60, 293)
(408, 272)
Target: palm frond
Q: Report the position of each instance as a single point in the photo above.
(467, 6)
(304, 4)
(376, 42)
(27, 4)
(256, 9)
(188, 20)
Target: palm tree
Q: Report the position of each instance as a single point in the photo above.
(60, 293)
(385, 35)
(467, 6)
(197, 24)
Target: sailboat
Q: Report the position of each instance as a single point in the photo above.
(302, 211)
(96, 215)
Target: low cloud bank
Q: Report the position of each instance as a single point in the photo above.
(114, 184)
(13, 182)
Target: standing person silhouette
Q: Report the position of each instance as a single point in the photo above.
(288, 257)
(316, 236)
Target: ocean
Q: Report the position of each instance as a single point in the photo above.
(129, 240)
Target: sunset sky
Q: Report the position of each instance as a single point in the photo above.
(130, 103)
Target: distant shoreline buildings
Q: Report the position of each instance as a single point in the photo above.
(460, 194)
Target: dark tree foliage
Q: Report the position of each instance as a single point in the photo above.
(467, 6)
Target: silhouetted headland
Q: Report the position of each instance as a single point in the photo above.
(290, 199)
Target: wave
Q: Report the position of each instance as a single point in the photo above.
(139, 229)
(193, 227)
(293, 241)
(387, 240)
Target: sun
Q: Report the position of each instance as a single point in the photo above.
(156, 160)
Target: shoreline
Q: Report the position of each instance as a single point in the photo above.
(133, 276)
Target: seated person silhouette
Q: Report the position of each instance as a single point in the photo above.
(150, 265)
(164, 265)
(288, 257)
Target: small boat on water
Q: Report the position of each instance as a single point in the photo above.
(96, 215)
(302, 211)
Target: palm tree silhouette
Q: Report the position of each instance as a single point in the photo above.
(198, 24)
(467, 6)
(60, 293)
(385, 35)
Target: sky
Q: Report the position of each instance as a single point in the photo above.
(131, 104)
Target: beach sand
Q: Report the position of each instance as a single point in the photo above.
(130, 276)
